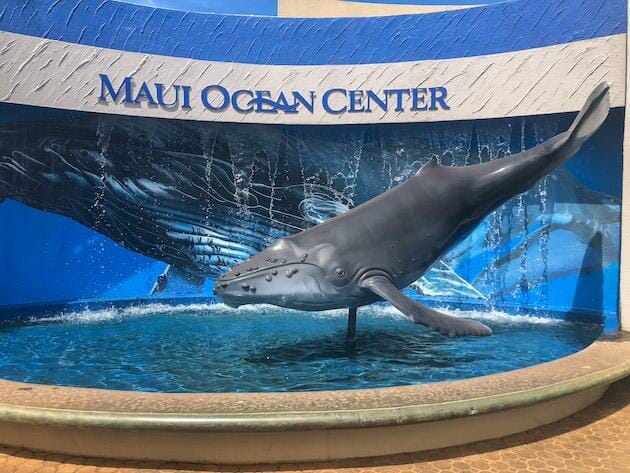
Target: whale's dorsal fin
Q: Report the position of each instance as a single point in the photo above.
(420, 314)
(431, 163)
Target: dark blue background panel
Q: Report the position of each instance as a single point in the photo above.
(96, 206)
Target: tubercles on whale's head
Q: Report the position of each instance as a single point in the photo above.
(283, 274)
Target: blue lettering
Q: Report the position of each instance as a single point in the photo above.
(106, 85)
(224, 93)
(144, 93)
(356, 100)
(283, 104)
(399, 98)
(380, 102)
(419, 97)
(159, 95)
(299, 98)
(235, 104)
(262, 99)
(217, 98)
(186, 100)
(327, 106)
(438, 94)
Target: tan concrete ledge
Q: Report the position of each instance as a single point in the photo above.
(272, 427)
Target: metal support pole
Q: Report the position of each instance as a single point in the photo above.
(352, 323)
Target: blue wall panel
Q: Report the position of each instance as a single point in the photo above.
(504, 27)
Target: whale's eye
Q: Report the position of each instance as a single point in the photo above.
(340, 272)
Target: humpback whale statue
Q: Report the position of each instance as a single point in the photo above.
(376, 249)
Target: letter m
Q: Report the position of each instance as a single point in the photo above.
(107, 87)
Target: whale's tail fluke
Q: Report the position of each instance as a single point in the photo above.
(591, 116)
(496, 181)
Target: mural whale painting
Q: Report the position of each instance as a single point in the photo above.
(168, 190)
(378, 248)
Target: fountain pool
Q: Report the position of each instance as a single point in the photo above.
(212, 348)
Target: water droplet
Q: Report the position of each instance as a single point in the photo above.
(245, 287)
(289, 273)
(268, 278)
(274, 272)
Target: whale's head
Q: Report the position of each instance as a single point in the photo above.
(284, 274)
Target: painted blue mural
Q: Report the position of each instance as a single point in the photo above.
(109, 207)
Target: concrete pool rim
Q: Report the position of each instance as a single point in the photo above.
(32, 416)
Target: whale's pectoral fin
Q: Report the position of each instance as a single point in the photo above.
(420, 314)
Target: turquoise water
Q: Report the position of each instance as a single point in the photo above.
(212, 348)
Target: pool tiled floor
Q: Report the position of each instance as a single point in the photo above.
(596, 440)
